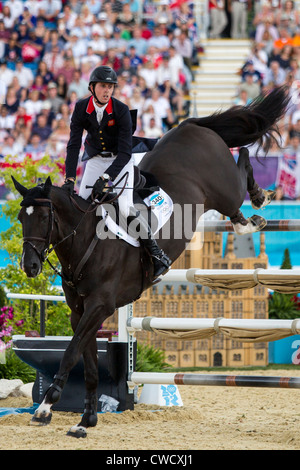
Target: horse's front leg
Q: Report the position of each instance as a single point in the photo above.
(89, 417)
(84, 336)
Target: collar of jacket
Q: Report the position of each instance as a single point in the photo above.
(90, 107)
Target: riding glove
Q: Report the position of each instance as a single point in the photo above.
(99, 187)
(68, 186)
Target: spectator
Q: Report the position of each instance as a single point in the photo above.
(36, 147)
(33, 7)
(152, 131)
(249, 68)
(76, 45)
(218, 19)
(54, 61)
(49, 10)
(288, 17)
(174, 96)
(159, 40)
(239, 17)
(242, 98)
(135, 60)
(111, 58)
(24, 74)
(94, 6)
(251, 87)
(67, 69)
(79, 85)
(86, 15)
(138, 42)
(98, 43)
(28, 18)
(184, 47)
(284, 57)
(48, 113)
(275, 75)
(21, 92)
(11, 146)
(164, 71)
(126, 17)
(12, 51)
(7, 17)
(33, 104)
(6, 74)
(149, 73)
(7, 121)
(12, 102)
(26, 121)
(116, 42)
(161, 107)
(259, 58)
(62, 131)
(126, 67)
(266, 26)
(52, 97)
(148, 114)
(41, 127)
(106, 27)
(137, 101)
(16, 7)
(54, 42)
(39, 85)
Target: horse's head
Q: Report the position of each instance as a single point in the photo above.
(36, 217)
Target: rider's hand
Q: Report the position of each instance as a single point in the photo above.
(69, 185)
(100, 187)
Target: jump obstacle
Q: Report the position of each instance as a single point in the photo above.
(182, 328)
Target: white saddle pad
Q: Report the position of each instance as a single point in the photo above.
(161, 206)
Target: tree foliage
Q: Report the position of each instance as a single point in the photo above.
(29, 173)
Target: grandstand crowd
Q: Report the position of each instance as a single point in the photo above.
(48, 49)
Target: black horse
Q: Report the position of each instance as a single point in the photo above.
(194, 165)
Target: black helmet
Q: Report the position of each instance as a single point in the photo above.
(103, 74)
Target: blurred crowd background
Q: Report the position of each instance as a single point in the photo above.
(48, 49)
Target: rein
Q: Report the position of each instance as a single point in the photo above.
(44, 254)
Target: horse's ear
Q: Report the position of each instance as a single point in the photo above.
(21, 189)
(48, 184)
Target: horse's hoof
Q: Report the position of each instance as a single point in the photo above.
(269, 196)
(255, 224)
(258, 222)
(41, 419)
(77, 431)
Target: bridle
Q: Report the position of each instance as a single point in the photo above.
(43, 254)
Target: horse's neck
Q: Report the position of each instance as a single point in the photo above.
(65, 215)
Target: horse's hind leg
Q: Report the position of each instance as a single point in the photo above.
(259, 197)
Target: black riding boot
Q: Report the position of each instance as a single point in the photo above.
(161, 261)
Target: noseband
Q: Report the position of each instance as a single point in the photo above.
(30, 240)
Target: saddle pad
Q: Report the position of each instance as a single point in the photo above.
(161, 206)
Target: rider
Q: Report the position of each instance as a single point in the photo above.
(108, 152)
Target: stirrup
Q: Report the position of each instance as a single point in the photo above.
(161, 264)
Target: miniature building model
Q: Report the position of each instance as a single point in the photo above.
(184, 299)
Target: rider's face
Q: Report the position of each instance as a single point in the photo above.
(104, 91)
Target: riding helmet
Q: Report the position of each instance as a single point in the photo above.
(103, 74)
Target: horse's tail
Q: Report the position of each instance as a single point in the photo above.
(245, 125)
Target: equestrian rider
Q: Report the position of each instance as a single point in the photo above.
(108, 152)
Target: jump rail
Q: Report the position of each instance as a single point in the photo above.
(137, 378)
(276, 225)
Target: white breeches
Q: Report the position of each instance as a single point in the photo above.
(95, 167)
